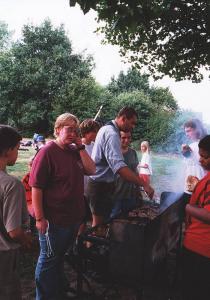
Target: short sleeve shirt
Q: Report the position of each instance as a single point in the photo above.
(59, 173)
(197, 234)
(13, 211)
(145, 160)
(107, 153)
(123, 188)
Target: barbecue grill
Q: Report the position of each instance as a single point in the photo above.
(133, 250)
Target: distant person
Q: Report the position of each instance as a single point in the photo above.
(34, 142)
(195, 131)
(13, 216)
(57, 180)
(40, 142)
(126, 193)
(196, 251)
(109, 161)
(145, 166)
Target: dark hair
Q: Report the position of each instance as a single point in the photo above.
(205, 143)
(196, 124)
(128, 112)
(88, 125)
(9, 138)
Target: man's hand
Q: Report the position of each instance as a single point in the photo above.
(42, 225)
(149, 190)
(19, 235)
(185, 148)
(78, 141)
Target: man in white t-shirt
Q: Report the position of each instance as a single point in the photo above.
(195, 131)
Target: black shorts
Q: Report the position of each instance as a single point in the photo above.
(88, 214)
(100, 197)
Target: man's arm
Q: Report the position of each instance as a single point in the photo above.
(37, 198)
(128, 175)
(21, 237)
(201, 214)
(87, 162)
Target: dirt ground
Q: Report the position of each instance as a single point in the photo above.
(95, 287)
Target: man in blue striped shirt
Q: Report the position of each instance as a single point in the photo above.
(109, 161)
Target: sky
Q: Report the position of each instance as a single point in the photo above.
(80, 29)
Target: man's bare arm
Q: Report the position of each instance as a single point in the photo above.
(199, 213)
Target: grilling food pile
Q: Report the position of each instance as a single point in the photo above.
(145, 211)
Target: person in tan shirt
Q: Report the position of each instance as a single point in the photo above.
(13, 215)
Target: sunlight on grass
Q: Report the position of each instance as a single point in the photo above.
(21, 166)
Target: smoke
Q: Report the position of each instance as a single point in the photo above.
(168, 173)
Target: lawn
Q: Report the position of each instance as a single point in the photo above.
(167, 170)
(21, 166)
(168, 173)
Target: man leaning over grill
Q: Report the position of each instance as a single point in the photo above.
(109, 161)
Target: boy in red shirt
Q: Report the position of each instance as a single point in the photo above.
(196, 250)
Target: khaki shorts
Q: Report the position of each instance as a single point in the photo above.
(100, 197)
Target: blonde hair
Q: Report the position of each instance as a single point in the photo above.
(146, 144)
(63, 119)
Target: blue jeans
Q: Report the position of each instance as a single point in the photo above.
(49, 274)
(123, 206)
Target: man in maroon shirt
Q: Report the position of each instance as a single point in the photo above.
(57, 178)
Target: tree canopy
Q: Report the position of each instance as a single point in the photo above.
(40, 77)
(4, 35)
(156, 107)
(169, 37)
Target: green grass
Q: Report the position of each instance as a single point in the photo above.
(168, 172)
(166, 176)
(21, 166)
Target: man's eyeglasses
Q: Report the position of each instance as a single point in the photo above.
(69, 129)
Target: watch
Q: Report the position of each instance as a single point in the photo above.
(81, 147)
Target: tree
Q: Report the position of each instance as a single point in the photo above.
(156, 107)
(169, 37)
(131, 81)
(40, 77)
(4, 35)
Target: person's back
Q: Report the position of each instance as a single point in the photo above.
(105, 153)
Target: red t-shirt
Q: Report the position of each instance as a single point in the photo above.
(197, 234)
(60, 175)
(25, 182)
